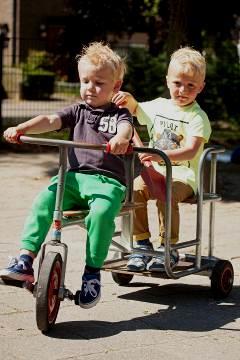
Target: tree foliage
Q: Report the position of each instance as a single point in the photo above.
(168, 23)
(212, 27)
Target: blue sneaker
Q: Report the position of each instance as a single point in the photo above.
(90, 292)
(158, 262)
(138, 262)
(18, 269)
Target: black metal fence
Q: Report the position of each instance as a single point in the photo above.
(29, 83)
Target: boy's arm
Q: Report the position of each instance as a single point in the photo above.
(37, 125)
(124, 99)
(120, 142)
(187, 152)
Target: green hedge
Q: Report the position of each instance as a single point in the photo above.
(146, 75)
(37, 86)
(38, 77)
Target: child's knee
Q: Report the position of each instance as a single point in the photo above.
(45, 200)
(106, 214)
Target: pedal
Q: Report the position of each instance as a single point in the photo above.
(9, 282)
(17, 283)
(69, 295)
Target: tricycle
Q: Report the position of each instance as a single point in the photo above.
(49, 288)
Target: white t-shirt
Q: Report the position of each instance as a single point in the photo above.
(169, 126)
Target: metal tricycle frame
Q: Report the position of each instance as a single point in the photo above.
(50, 289)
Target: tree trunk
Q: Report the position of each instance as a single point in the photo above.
(177, 25)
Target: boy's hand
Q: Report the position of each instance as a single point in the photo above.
(121, 98)
(125, 100)
(118, 145)
(146, 157)
(12, 134)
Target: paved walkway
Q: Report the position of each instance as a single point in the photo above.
(16, 111)
(149, 319)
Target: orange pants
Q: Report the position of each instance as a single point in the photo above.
(180, 192)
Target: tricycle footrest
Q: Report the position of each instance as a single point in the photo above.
(120, 266)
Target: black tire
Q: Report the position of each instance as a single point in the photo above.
(122, 279)
(222, 279)
(47, 301)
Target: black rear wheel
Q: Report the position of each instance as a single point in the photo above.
(47, 300)
(121, 279)
(222, 279)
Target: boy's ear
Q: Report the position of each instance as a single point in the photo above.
(117, 85)
(201, 87)
(167, 81)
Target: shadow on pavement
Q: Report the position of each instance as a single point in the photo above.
(189, 308)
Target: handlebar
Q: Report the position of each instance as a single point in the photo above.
(105, 147)
(67, 143)
(53, 142)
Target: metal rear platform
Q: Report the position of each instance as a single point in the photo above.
(120, 266)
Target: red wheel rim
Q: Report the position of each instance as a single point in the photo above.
(54, 284)
(226, 280)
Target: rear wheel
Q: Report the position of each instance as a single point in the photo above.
(47, 301)
(222, 279)
(121, 279)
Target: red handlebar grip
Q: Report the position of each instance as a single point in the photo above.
(18, 138)
(129, 149)
(108, 148)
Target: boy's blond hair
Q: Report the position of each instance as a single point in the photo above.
(100, 55)
(190, 60)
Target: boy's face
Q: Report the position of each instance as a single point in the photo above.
(184, 87)
(97, 84)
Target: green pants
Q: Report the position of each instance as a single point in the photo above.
(98, 193)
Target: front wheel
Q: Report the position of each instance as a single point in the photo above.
(222, 279)
(47, 301)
